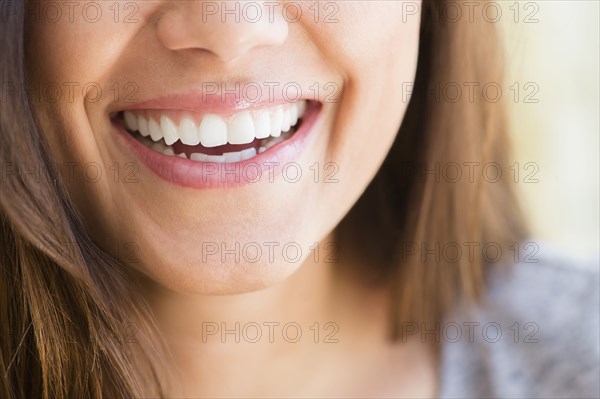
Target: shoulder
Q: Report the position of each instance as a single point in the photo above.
(535, 335)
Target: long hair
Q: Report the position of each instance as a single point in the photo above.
(443, 194)
(64, 303)
(63, 312)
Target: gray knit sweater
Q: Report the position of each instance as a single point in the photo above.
(537, 335)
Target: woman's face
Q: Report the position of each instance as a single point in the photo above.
(128, 92)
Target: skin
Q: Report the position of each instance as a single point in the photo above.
(162, 225)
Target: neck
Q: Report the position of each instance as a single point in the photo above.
(245, 337)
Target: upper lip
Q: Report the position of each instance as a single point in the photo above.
(220, 103)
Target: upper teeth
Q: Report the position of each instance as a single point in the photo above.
(214, 130)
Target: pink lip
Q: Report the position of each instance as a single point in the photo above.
(205, 175)
(215, 103)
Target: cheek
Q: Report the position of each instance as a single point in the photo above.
(68, 62)
(171, 230)
(74, 49)
(378, 53)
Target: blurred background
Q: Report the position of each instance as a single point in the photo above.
(554, 47)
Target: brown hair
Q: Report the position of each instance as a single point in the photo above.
(62, 313)
(419, 207)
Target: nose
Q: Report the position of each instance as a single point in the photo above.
(227, 29)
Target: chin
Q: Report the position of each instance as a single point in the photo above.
(226, 267)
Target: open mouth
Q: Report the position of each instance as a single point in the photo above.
(214, 138)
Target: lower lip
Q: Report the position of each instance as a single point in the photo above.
(205, 175)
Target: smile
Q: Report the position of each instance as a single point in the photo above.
(187, 146)
(214, 138)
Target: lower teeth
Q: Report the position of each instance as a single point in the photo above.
(227, 157)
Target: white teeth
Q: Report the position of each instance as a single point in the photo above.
(199, 157)
(215, 158)
(225, 158)
(143, 126)
(155, 130)
(262, 125)
(293, 116)
(212, 131)
(268, 143)
(233, 156)
(276, 122)
(241, 129)
(286, 124)
(188, 132)
(159, 147)
(247, 153)
(131, 121)
(169, 130)
(301, 105)
(228, 157)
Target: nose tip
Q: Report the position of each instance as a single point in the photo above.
(227, 30)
